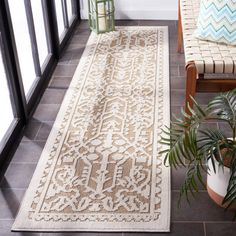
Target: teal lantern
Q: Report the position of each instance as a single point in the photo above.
(101, 15)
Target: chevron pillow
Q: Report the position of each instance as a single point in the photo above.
(217, 21)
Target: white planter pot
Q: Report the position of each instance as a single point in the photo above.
(217, 182)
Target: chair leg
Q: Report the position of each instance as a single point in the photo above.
(191, 82)
(180, 39)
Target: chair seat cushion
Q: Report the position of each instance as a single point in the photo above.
(217, 21)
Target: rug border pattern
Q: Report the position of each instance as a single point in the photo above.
(56, 134)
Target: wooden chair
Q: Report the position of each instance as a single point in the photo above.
(203, 58)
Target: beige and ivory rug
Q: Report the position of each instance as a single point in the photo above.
(100, 169)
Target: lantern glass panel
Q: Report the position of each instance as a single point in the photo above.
(101, 15)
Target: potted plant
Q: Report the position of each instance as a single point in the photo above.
(205, 150)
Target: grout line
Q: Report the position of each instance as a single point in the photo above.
(24, 162)
(206, 221)
(7, 219)
(39, 140)
(12, 188)
(59, 77)
(178, 70)
(204, 228)
(47, 121)
(199, 191)
(53, 87)
(64, 63)
(38, 131)
(178, 89)
(33, 140)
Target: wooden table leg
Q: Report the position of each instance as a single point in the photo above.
(180, 33)
(191, 82)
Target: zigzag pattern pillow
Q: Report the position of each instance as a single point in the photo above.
(217, 21)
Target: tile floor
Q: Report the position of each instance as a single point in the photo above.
(201, 218)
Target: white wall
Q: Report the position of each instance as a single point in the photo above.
(140, 9)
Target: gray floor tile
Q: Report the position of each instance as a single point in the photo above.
(18, 175)
(126, 22)
(110, 234)
(28, 152)
(64, 70)
(84, 24)
(76, 49)
(5, 230)
(53, 96)
(79, 31)
(79, 39)
(204, 98)
(173, 40)
(73, 48)
(184, 229)
(221, 229)
(176, 111)
(177, 229)
(178, 177)
(31, 130)
(177, 59)
(9, 202)
(172, 50)
(46, 112)
(71, 234)
(177, 97)
(76, 55)
(169, 23)
(208, 125)
(225, 128)
(202, 208)
(44, 131)
(60, 82)
(174, 70)
(182, 71)
(76, 52)
(75, 60)
(65, 58)
(178, 82)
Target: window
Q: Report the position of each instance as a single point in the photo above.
(23, 43)
(34, 33)
(69, 10)
(65, 13)
(60, 20)
(5, 102)
(40, 31)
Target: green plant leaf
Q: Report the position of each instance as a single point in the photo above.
(188, 145)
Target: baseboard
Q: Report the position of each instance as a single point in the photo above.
(156, 14)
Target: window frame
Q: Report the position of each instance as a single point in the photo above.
(24, 107)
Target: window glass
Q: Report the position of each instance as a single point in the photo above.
(40, 30)
(60, 21)
(23, 44)
(69, 10)
(6, 115)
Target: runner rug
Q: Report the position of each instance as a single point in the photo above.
(100, 169)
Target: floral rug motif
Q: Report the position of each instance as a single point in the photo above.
(100, 169)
